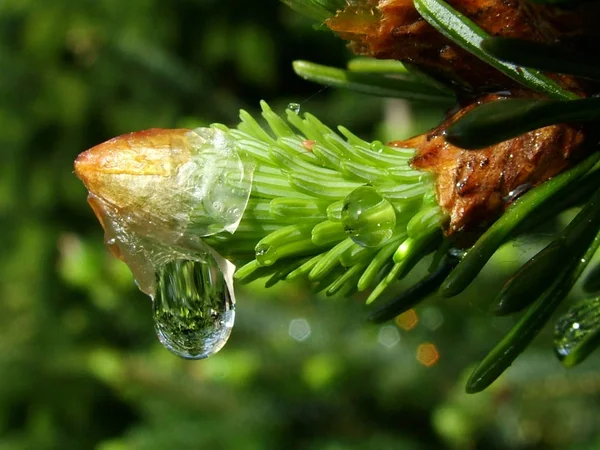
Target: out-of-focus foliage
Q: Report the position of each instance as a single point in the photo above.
(80, 366)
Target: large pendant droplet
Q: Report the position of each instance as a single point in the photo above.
(193, 308)
(577, 333)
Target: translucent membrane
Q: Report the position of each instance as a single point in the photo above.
(191, 286)
(156, 194)
(219, 182)
(171, 182)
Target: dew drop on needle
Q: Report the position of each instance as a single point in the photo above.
(294, 107)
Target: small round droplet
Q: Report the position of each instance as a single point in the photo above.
(294, 107)
(218, 206)
(265, 254)
(368, 218)
(517, 192)
(193, 308)
(377, 146)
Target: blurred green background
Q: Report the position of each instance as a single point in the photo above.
(80, 366)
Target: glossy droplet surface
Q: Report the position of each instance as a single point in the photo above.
(368, 218)
(193, 308)
(295, 107)
(517, 192)
(577, 333)
(377, 146)
(266, 255)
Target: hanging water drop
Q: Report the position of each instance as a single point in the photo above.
(193, 308)
(294, 107)
(577, 333)
(368, 218)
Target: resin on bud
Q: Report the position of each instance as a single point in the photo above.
(157, 192)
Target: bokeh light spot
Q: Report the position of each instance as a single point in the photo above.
(299, 329)
(388, 336)
(432, 318)
(427, 354)
(407, 320)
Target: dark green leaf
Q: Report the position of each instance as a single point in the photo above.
(527, 328)
(469, 36)
(395, 69)
(414, 294)
(530, 280)
(591, 282)
(367, 83)
(500, 120)
(546, 57)
(577, 194)
(503, 228)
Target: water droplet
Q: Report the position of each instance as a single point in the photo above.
(294, 107)
(266, 255)
(218, 206)
(368, 218)
(193, 308)
(517, 192)
(457, 253)
(576, 332)
(377, 146)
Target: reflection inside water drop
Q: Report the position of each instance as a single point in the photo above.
(193, 308)
(368, 218)
(266, 255)
(294, 107)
